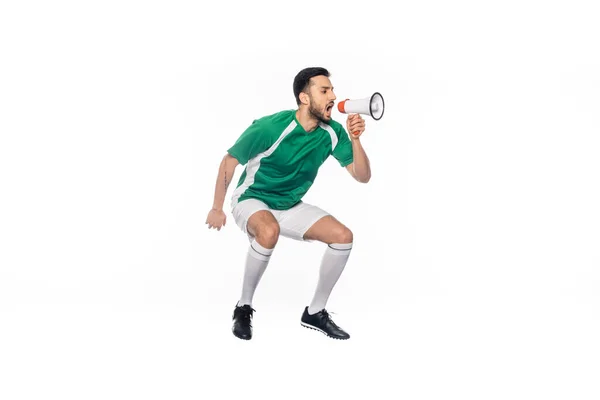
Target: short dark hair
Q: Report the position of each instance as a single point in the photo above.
(302, 79)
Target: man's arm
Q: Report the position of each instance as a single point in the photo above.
(216, 216)
(224, 177)
(360, 168)
(251, 142)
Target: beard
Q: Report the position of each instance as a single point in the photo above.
(319, 115)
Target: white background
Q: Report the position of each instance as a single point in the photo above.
(475, 270)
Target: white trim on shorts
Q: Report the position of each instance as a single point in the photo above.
(293, 223)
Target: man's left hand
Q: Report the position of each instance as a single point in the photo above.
(355, 125)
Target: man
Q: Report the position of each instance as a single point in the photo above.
(283, 153)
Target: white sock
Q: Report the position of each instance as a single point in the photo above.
(333, 263)
(256, 262)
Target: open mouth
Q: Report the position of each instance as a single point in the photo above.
(329, 108)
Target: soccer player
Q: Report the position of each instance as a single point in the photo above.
(282, 153)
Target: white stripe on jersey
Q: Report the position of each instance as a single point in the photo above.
(334, 138)
(254, 163)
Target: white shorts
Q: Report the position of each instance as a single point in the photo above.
(293, 223)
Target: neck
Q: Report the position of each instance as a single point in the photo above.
(308, 122)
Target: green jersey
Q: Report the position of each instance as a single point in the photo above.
(283, 159)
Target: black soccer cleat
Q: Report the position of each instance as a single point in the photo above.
(242, 321)
(322, 322)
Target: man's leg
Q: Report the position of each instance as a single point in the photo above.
(339, 245)
(258, 222)
(263, 227)
(308, 223)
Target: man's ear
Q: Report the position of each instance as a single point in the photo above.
(303, 98)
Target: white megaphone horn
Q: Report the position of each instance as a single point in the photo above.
(372, 106)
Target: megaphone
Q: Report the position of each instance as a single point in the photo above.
(372, 106)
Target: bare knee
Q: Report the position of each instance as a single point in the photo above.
(267, 234)
(265, 229)
(343, 235)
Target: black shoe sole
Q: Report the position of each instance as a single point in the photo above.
(320, 330)
(241, 337)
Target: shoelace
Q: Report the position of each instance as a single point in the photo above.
(246, 312)
(327, 317)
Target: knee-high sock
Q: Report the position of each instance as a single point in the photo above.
(256, 262)
(333, 263)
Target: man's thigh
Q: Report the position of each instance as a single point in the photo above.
(296, 221)
(329, 230)
(244, 210)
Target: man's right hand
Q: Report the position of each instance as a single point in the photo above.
(216, 219)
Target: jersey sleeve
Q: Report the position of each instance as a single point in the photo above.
(343, 150)
(253, 141)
